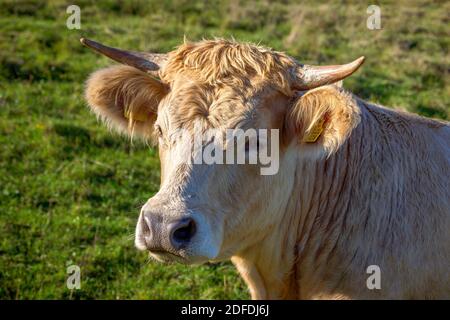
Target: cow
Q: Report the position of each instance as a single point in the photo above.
(358, 209)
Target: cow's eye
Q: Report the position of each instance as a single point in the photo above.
(158, 130)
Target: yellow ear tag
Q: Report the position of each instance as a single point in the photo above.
(315, 132)
(134, 116)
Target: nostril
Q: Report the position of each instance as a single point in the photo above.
(183, 231)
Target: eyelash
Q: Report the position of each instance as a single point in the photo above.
(158, 130)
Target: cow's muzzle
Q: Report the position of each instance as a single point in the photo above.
(159, 236)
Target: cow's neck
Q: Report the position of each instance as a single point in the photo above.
(292, 261)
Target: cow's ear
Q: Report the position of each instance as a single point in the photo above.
(126, 99)
(321, 119)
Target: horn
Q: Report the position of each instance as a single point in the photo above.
(310, 77)
(147, 62)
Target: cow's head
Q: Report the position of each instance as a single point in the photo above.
(211, 211)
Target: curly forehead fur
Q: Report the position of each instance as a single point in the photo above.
(224, 61)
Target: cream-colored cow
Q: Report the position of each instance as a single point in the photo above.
(371, 188)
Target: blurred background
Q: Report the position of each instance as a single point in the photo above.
(70, 191)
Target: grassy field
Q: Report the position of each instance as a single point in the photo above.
(70, 191)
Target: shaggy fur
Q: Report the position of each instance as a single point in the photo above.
(228, 62)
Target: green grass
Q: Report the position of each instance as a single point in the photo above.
(71, 191)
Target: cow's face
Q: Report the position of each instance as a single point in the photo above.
(203, 207)
(210, 207)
